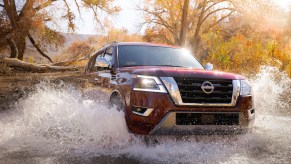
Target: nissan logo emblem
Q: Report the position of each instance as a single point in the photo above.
(207, 87)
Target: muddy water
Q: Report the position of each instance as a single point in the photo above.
(61, 124)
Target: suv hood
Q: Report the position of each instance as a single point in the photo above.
(162, 71)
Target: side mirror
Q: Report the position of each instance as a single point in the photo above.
(209, 66)
(103, 63)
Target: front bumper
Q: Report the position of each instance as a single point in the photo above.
(162, 119)
(168, 126)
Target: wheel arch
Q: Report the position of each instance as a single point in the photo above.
(115, 93)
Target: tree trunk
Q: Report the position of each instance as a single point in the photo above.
(21, 45)
(195, 42)
(196, 38)
(184, 24)
(19, 25)
(13, 48)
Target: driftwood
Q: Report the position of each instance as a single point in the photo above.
(63, 63)
(21, 65)
(69, 62)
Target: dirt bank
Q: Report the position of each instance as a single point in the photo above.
(19, 85)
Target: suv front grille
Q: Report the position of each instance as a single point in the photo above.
(191, 92)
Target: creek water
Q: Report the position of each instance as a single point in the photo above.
(61, 124)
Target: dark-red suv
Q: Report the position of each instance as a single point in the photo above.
(165, 90)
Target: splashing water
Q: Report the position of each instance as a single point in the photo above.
(57, 124)
(272, 90)
(60, 121)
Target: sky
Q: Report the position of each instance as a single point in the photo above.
(286, 4)
(130, 18)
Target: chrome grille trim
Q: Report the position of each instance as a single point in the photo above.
(174, 91)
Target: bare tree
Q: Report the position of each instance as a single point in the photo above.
(30, 21)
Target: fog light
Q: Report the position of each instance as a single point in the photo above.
(142, 111)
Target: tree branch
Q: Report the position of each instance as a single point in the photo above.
(78, 7)
(159, 20)
(217, 2)
(166, 39)
(94, 10)
(10, 8)
(44, 5)
(155, 21)
(221, 19)
(37, 48)
(225, 8)
(27, 7)
(70, 16)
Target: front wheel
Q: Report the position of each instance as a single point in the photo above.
(116, 100)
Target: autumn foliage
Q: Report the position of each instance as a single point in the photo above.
(243, 54)
(235, 35)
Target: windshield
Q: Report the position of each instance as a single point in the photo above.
(140, 55)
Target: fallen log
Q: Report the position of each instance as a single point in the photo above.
(64, 63)
(40, 68)
(69, 62)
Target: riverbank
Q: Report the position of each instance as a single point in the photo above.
(18, 85)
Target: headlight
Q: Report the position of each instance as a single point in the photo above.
(245, 88)
(149, 84)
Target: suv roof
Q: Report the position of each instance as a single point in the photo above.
(143, 44)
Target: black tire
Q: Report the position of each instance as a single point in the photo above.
(116, 100)
(151, 140)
